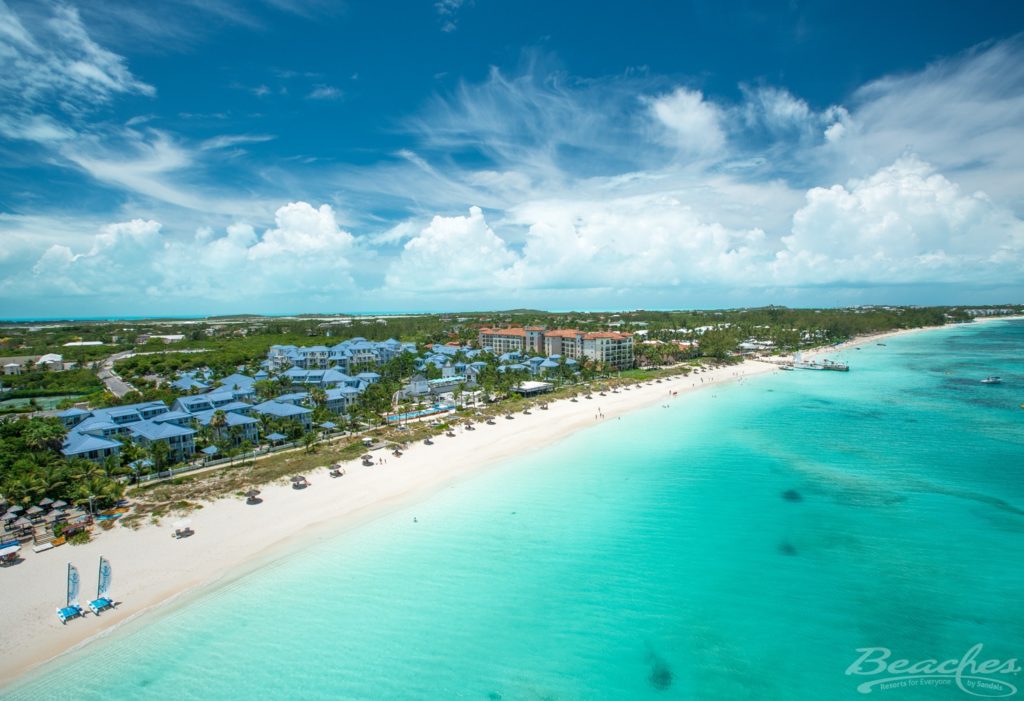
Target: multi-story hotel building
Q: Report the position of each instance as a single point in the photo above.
(607, 347)
(502, 341)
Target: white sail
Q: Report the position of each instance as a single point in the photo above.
(72, 585)
(105, 577)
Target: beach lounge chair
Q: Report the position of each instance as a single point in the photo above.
(66, 613)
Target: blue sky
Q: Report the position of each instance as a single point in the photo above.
(220, 156)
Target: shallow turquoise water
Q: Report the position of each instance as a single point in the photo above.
(650, 557)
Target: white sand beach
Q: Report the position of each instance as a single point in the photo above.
(152, 569)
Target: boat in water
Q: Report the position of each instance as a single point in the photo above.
(992, 380)
(800, 364)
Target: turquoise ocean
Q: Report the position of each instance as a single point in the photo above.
(741, 544)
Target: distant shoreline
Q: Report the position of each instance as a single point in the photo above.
(875, 337)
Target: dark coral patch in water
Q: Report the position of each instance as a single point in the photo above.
(792, 495)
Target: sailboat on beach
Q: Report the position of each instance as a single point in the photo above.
(71, 609)
(102, 600)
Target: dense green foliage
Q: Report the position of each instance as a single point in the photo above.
(45, 383)
(32, 467)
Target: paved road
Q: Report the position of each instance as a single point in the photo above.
(111, 379)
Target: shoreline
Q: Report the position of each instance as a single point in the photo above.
(875, 337)
(233, 539)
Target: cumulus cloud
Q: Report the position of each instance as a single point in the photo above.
(306, 255)
(906, 223)
(693, 123)
(452, 254)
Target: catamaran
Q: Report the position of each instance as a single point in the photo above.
(102, 600)
(71, 609)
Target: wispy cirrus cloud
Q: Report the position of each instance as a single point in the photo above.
(325, 92)
(56, 64)
(448, 12)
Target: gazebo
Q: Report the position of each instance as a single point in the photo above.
(276, 437)
(209, 451)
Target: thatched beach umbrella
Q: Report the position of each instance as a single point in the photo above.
(367, 457)
(252, 493)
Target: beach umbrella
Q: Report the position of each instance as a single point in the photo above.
(298, 478)
(252, 493)
(46, 501)
(367, 457)
(33, 510)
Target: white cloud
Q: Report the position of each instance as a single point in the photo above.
(305, 256)
(325, 92)
(693, 123)
(58, 63)
(452, 254)
(231, 140)
(448, 11)
(965, 114)
(906, 223)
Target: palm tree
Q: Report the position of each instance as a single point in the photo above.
(159, 453)
(217, 423)
(319, 396)
(309, 441)
(43, 435)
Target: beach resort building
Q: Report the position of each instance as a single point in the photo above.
(93, 434)
(501, 341)
(607, 347)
